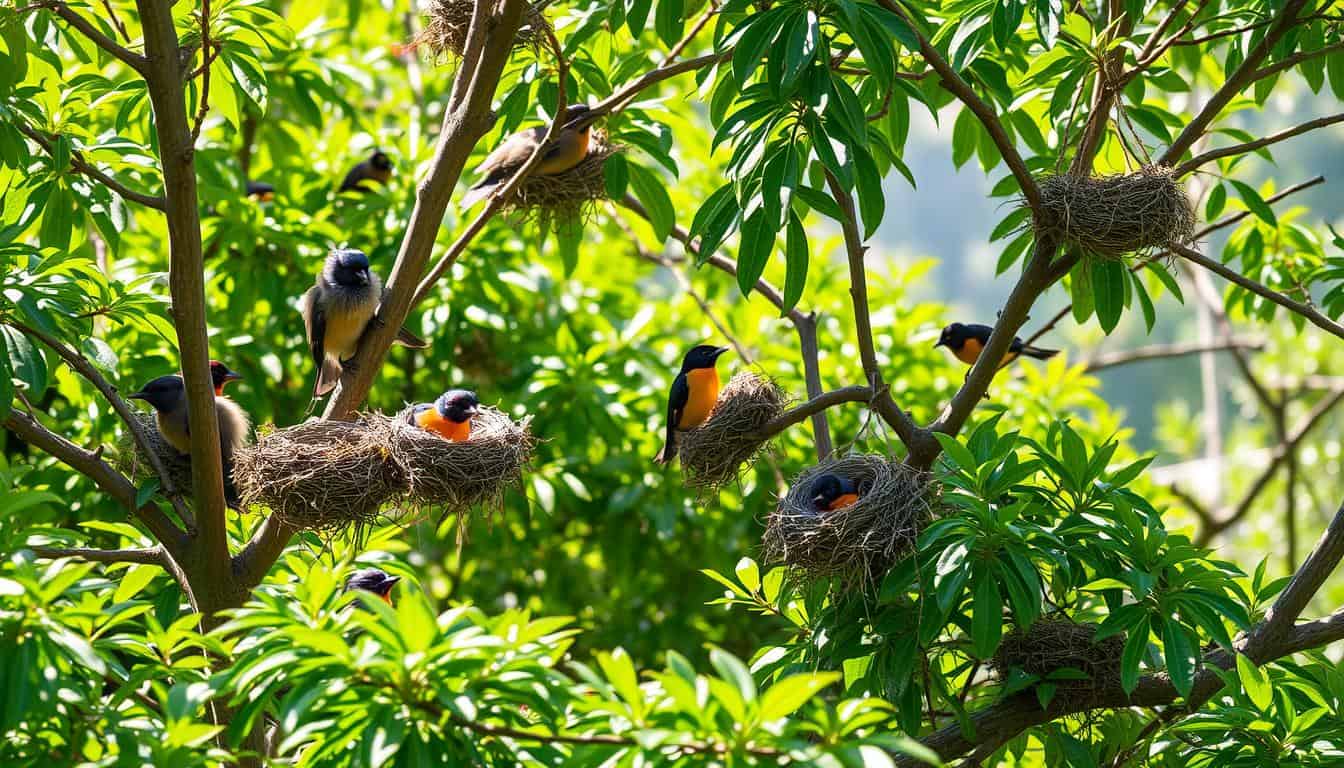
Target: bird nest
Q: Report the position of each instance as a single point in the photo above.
(563, 197)
(133, 462)
(1053, 644)
(323, 475)
(459, 476)
(861, 540)
(1111, 216)
(450, 20)
(712, 455)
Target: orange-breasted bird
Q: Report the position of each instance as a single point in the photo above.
(260, 190)
(567, 150)
(449, 416)
(373, 580)
(168, 396)
(337, 309)
(831, 492)
(967, 339)
(377, 168)
(221, 375)
(695, 390)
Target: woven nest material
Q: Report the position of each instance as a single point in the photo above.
(1111, 216)
(457, 477)
(862, 540)
(563, 197)
(132, 462)
(1057, 643)
(446, 30)
(323, 475)
(713, 454)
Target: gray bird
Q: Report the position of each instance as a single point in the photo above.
(337, 309)
(377, 168)
(168, 396)
(566, 151)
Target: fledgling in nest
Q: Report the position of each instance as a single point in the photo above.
(1114, 216)
(712, 455)
(323, 475)
(1055, 643)
(859, 541)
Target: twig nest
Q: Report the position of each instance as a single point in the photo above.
(458, 476)
(861, 540)
(1111, 216)
(449, 21)
(712, 455)
(322, 475)
(1055, 643)
(132, 462)
(563, 197)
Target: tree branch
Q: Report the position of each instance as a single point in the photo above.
(149, 556)
(81, 165)
(1161, 351)
(1250, 146)
(130, 58)
(814, 406)
(1297, 58)
(1305, 310)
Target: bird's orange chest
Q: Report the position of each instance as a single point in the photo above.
(431, 421)
(704, 393)
(969, 351)
(570, 150)
(842, 501)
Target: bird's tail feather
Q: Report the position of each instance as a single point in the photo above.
(1039, 353)
(407, 339)
(669, 450)
(327, 377)
(478, 193)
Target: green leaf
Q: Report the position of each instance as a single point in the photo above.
(1216, 202)
(749, 574)
(649, 190)
(986, 616)
(1256, 682)
(755, 40)
(786, 696)
(1255, 202)
(965, 137)
(145, 492)
(1108, 291)
(872, 203)
(1135, 646)
(957, 453)
(25, 361)
(133, 580)
(758, 239)
(803, 40)
(730, 668)
(667, 20)
(1334, 68)
(568, 238)
(616, 175)
(1179, 650)
(796, 258)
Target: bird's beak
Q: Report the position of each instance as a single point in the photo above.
(137, 396)
(472, 411)
(939, 343)
(719, 352)
(364, 278)
(232, 376)
(581, 122)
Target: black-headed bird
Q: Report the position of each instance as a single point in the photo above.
(830, 492)
(221, 375)
(966, 340)
(377, 168)
(168, 396)
(373, 580)
(260, 190)
(337, 309)
(695, 390)
(449, 416)
(565, 151)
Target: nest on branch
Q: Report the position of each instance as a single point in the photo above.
(1056, 643)
(1113, 216)
(133, 463)
(861, 540)
(323, 475)
(449, 21)
(712, 455)
(562, 199)
(459, 476)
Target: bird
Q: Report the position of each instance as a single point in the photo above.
(831, 492)
(967, 339)
(337, 309)
(262, 191)
(168, 396)
(373, 580)
(449, 416)
(695, 390)
(377, 168)
(565, 151)
(221, 375)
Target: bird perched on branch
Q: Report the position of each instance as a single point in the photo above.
(831, 492)
(260, 190)
(168, 396)
(967, 339)
(373, 580)
(449, 416)
(695, 390)
(377, 168)
(337, 309)
(565, 151)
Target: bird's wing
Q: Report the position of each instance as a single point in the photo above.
(980, 332)
(352, 179)
(676, 403)
(315, 322)
(512, 152)
(407, 339)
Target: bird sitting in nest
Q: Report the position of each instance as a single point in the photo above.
(448, 417)
(694, 393)
(565, 151)
(831, 492)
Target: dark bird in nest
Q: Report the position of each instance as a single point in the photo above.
(261, 191)
(377, 168)
(449, 416)
(695, 390)
(168, 396)
(373, 580)
(565, 151)
(831, 492)
(337, 309)
(966, 340)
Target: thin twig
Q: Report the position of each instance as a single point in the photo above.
(1161, 351)
(1250, 146)
(130, 58)
(81, 165)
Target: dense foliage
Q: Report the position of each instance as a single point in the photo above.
(763, 144)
